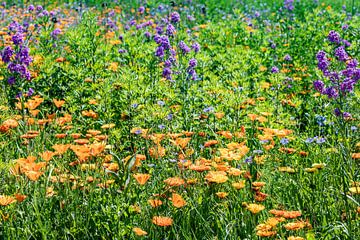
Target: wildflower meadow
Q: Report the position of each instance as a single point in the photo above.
(183, 119)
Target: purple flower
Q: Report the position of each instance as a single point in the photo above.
(190, 18)
(321, 55)
(284, 141)
(147, 35)
(31, 8)
(331, 92)
(170, 116)
(337, 112)
(192, 73)
(161, 103)
(17, 38)
(208, 109)
(192, 63)
(334, 37)
(122, 51)
(183, 47)
(165, 42)
(170, 30)
(159, 52)
(167, 63)
(141, 9)
(134, 105)
(347, 85)
(287, 58)
(30, 92)
(167, 73)
(341, 54)
(6, 54)
(320, 140)
(39, 8)
(157, 39)
(175, 17)
(352, 63)
(195, 47)
(323, 65)
(249, 160)
(319, 85)
(159, 29)
(22, 56)
(346, 43)
(55, 33)
(288, 4)
(45, 13)
(274, 69)
(11, 80)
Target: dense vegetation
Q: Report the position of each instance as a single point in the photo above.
(180, 120)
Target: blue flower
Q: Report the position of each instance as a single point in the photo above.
(284, 141)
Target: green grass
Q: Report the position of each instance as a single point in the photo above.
(79, 198)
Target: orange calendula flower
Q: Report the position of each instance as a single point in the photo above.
(239, 185)
(219, 115)
(174, 181)
(108, 126)
(255, 208)
(6, 200)
(181, 142)
(286, 169)
(162, 221)
(199, 168)
(258, 184)
(293, 226)
(273, 221)
(216, 177)
(50, 192)
(222, 194)
(10, 123)
(20, 197)
(61, 148)
(355, 190)
(58, 103)
(47, 155)
(33, 175)
(210, 143)
(177, 200)
(60, 135)
(295, 238)
(155, 202)
(285, 214)
(141, 178)
(263, 227)
(139, 231)
(90, 114)
(266, 233)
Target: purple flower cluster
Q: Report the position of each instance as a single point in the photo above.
(175, 17)
(184, 48)
(17, 59)
(143, 25)
(54, 34)
(167, 54)
(341, 82)
(289, 5)
(191, 69)
(141, 10)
